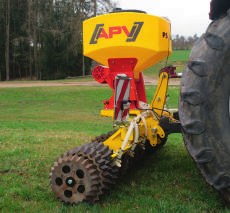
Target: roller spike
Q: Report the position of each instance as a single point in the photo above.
(104, 167)
(102, 161)
(90, 166)
(107, 175)
(104, 149)
(99, 146)
(92, 152)
(85, 162)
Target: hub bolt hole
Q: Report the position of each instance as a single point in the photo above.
(68, 193)
(66, 169)
(80, 174)
(81, 189)
(58, 181)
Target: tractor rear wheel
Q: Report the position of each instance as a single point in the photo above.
(204, 105)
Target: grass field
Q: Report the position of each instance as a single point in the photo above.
(178, 57)
(38, 124)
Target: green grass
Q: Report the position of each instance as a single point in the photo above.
(182, 55)
(38, 124)
(178, 57)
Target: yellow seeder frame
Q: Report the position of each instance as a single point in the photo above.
(144, 126)
(147, 39)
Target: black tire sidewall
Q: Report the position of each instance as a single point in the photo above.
(204, 104)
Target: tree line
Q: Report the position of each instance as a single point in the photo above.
(183, 43)
(42, 39)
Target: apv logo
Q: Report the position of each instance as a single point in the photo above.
(100, 32)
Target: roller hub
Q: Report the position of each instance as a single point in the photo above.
(83, 173)
(75, 179)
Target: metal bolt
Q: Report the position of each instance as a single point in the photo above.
(70, 181)
(154, 130)
(153, 136)
(158, 99)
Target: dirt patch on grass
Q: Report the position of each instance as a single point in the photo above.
(147, 80)
(46, 84)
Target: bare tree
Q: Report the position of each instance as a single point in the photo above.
(35, 23)
(29, 37)
(95, 8)
(7, 44)
(2, 27)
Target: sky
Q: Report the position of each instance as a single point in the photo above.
(188, 17)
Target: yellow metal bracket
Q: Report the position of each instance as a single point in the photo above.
(154, 130)
(110, 113)
(159, 98)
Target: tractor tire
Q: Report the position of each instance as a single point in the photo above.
(204, 105)
(218, 8)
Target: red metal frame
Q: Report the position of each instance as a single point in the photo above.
(121, 66)
(171, 70)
